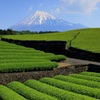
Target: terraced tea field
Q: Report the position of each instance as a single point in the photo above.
(85, 39)
(81, 86)
(15, 58)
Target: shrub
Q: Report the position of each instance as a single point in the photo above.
(73, 87)
(8, 94)
(78, 81)
(91, 78)
(29, 93)
(56, 92)
(91, 74)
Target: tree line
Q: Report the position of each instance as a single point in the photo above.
(13, 32)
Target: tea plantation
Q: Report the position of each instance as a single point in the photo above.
(70, 87)
(15, 58)
(85, 39)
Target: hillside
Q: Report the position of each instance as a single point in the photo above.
(85, 39)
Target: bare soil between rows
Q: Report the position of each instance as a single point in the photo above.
(63, 69)
(69, 66)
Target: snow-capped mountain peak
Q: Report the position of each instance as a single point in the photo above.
(43, 21)
(38, 18)
(43, 15)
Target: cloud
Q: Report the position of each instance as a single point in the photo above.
(77, 6)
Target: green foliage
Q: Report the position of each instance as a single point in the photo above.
(27, 66)
(91, 78)
(50, 57)
(60, 87)
(92, 92)
(78, 81)
(29, 93)
(88, 39)
(14, 58)
(23, 60)
(91, 74)
(8, 94)
(49, 37)
(7, 32)
(56, 92)
(56, 58)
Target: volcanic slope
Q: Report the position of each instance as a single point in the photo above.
(43, 21)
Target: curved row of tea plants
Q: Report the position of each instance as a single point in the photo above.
(15, 58)
(80, 86)
(29, 93)
(80, 81)
(58, 88)
(85, 90)
(31, 88)
(27, 66)
(91, 74)
(8, 94)
(86, 77)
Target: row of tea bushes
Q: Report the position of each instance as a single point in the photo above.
(8, 94)
(86, 77)
(72, 87)
(27, 66)
(58, 88)
(16, 58)
(91, 74)
(78, 81)
(29, 93)
(61, 94)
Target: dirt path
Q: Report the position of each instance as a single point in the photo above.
(73, 61)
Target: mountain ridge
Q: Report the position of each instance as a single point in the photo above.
(43, 21)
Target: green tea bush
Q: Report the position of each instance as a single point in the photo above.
(8, 94)
(91, 78)
(91, 74)
(56, 92)
(14, 58)
(92, 92)
(27, 66)
(78, 81)
(29, 93)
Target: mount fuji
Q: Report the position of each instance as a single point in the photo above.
(43, 21)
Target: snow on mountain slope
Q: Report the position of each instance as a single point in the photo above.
(38, 18)
(43, 21)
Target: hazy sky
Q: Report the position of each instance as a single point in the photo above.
(86, 12)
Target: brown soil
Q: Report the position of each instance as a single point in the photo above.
(63, 69)
(63, 64)
(74, 62)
